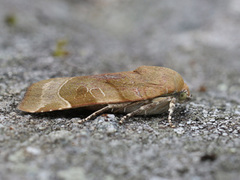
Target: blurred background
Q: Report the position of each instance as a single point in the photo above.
(198, 39)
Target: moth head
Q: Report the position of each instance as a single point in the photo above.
(184, 95)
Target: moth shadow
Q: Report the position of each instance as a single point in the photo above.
(83, 113)
(68, 114)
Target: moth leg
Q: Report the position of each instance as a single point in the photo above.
(172, 103)
(146, 107)
(170, 110)
(102, 110)
(154, 103)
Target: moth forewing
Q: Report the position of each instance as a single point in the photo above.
(145, 91)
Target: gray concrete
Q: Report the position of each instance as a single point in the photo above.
(199, 39)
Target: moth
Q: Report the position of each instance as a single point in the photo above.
(148, 90)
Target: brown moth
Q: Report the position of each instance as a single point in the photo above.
(148, 90)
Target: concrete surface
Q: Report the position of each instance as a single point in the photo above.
(199, 39)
